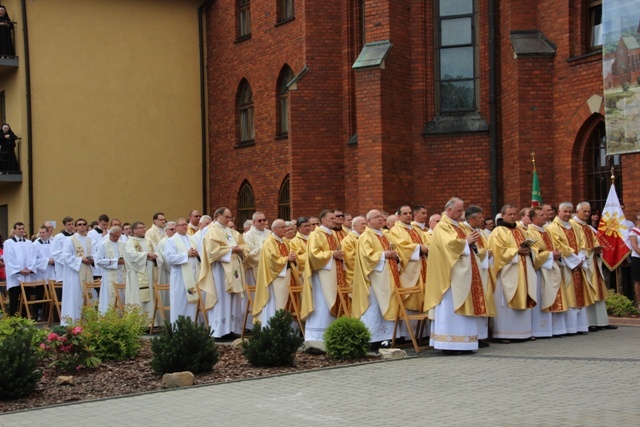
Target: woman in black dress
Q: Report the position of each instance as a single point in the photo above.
(9, 162)
(6, 27)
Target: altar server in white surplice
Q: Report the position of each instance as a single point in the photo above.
(110, 257)
(222, 275)
(45, 265)
(181, 255)
(19, 262)
(141, 263)
(165, 271)
(77, 258)
(56, 246)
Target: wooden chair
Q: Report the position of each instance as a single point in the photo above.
(248, 290)
(401, 295)
(88, 288)
(118, 301)
(344, 299)
(45, 301)
(3, 304)
(56, 302)
(158, 306)
(293, 305)
(201, 311)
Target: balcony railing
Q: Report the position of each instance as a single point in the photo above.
(8, 57)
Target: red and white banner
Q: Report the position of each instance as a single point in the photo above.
(612, 232)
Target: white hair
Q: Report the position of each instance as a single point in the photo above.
(565, 205)
(204, 218)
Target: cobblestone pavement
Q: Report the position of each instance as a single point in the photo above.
(588, 380)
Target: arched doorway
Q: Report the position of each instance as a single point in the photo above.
(598, 168)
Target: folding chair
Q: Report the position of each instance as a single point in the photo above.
(3, 304)
(344, 301)
(88, 288)
(45, 299)
(293, 305)
(201, 310)
(56, 302)
(118, 301)
(158, 306)
(401, 294)
(248, 289)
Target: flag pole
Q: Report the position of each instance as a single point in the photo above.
(533, 160)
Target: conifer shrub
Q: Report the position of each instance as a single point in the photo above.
(115, 337)
(619, 305)
(184, 346)
(19, 357)
(347, 338)
(274, 344)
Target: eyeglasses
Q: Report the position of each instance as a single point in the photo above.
(81, 224)
(181, 225)
(314, 223)
(197, 216)
(138, 228)
(170, 229)
(261, 220)
(340, 216)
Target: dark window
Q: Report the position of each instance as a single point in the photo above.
(246, 204)
(286, 75)
(246, 132)
(456, 61)
(595, 24)
(284, 206)
(244, 18)
(285, 10)
(599, 169)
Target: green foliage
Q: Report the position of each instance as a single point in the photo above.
(115, 337)
(347, 338)
(67, 349)
(19, 357)
(275, 344)
(619, 305)
(184, 346)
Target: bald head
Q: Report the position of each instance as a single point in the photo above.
(359, 224)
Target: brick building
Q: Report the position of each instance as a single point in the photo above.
(359, 104)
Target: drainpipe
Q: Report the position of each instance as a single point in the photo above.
(203, 102)
(27, 70)
(493, 142)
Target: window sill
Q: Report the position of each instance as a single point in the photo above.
(284, 21)
(591, 56)
(454, 124)
(245, 144)
(282, 136)
(353, 141)
(243, 38)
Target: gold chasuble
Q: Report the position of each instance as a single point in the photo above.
(141, 272)
(322, 243)
(448, 266)
(349, 246)
(369, 252)
(273, 270)
(299, 245)
(414, 272)
(488, 278)
(553, 293)
(217, 243)
(596, 289)
(567, 239)
(519, 279)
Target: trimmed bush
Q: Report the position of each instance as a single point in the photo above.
(19, 357)
(67, 349)
(619, 305)
(184, 346)
(115, 337)
(275, 344)
(347, 338)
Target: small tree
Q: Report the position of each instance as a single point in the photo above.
(347, 338)
(275, 344)
(19, 357)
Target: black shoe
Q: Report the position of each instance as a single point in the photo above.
(592, 329)
(610, 327)
(385, 344)
(483, 344)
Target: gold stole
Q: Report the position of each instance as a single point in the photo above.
(188, 276)
(576, 274)
(340, 276)
(143, 277)
(558, 305)
(588, 233)
(478, 303)
(519, 237)
(85, 273)
(113, 274)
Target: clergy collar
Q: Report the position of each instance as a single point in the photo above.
(378, 232)
(136, 238)
(217, 224)
(277, 238)
(326, 229)
(565, 224)
(402, 224)
(521, 224)
(193, 227)
(469, 225)
(355, 233)
(66, 233)
(261, 233)
(302, 236)
(422, 225)
(578, 220)
(535, 227)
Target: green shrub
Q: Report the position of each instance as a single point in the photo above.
(347, 338)
(275, 344)
(67, 349)
(184, 346)
(19, 357)
(619, 305)
(116, 337)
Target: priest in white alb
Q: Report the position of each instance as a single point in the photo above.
(110, 257)
(77, 255)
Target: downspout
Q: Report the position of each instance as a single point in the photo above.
(493, 139)
(203, 102)
(27, 70)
